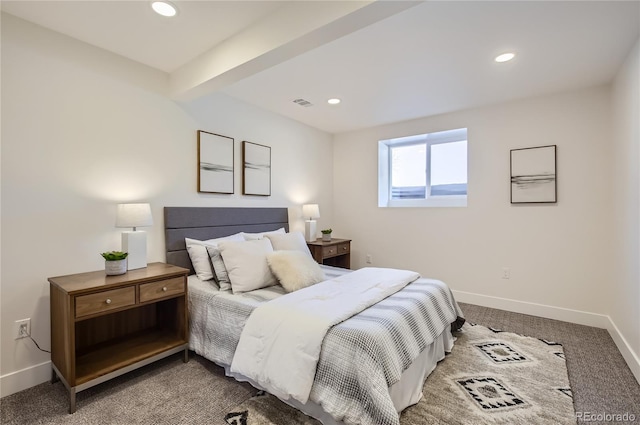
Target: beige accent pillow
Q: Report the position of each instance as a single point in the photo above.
(246, 264)
(293, 241)
(294, 269)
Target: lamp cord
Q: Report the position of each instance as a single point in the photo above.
(34, 341)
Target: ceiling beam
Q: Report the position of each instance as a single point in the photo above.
(296, 28)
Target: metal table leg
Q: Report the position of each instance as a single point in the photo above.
(72, 400)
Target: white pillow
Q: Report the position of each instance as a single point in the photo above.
(246, 264)
(200, 257)
(219, 270)
(260, 235)
(293, 241)
(294, 269)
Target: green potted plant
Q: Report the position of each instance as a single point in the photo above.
(115, 262)
(326, 235)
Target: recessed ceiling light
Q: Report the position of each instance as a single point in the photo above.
(505, 57)
(333, 101)
(164, 8)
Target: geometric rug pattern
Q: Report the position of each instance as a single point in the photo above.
(496, 377)
(490, 377)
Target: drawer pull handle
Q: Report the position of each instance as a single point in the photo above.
(344, 248)
(164, 289)
(108, 301)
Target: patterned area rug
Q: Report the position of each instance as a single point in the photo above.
(491, 377)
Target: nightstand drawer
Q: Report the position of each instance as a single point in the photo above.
(105, 301)
(163, 288)
(344, 248)
(329, 251)
(332, 251)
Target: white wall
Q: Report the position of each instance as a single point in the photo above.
(559, 254)
(625, 281)
(84, 130)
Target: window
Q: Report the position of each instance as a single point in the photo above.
(426, 170)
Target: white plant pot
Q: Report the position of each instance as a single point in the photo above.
(326, 237)
(113, 268)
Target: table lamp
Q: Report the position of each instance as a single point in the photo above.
(134, 242)
(310, 212)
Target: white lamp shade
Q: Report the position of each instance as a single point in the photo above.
(310, 211)
(134, 215)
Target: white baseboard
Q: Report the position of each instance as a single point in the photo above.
(632, 359)
(25, 378)
(540, 310)
(558, 313)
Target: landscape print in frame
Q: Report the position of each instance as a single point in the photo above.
(215, 163)
(256, 171)
(533, 175)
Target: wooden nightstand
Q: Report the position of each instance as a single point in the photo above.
(335, 253)
(105, 326)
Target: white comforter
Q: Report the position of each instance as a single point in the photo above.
(280, 343)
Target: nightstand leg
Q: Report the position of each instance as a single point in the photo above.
(72, 400)
(54, 376)
(186, 355)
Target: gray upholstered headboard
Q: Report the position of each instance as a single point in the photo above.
(209, 222)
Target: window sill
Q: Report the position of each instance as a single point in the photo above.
(432, 202)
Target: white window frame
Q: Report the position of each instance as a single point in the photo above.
(384, 170)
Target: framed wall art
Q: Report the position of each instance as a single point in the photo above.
(533, 175)
(256, 169)
(215, 163)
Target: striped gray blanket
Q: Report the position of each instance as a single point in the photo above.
(360, 357)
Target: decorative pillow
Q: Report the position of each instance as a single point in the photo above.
(246, 264)
(200, 258)
(219, 270)
(260, 235)
(294, 269)
(293, 241)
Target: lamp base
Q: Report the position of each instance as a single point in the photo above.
(310, 230)
(135, 243)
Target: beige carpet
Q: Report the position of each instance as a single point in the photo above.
(490, 377)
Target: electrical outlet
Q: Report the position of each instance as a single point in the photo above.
(506, 273)
(22, 328)
(368, 258)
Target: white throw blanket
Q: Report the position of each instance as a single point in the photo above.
(280, 343)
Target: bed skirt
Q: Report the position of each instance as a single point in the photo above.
(404, 393)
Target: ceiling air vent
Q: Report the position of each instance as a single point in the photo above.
(303, 102)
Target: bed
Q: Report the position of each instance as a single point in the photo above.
(371, 366)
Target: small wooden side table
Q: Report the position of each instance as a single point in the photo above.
(335, 253)
(105, 326)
